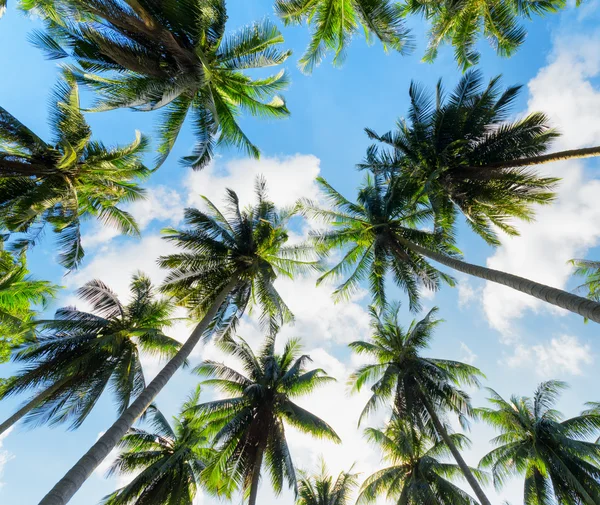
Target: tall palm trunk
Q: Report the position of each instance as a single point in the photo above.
(29, 406)
(66, 487)
(587, 308)
(255, 477)
(586, 152)
(439, 427)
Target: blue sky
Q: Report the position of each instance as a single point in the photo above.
(515, 340)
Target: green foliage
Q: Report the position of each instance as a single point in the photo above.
(461, 23)
(591, 271)
(78, 354)
(372, 234)
(175, 56)
(416, 473)
(321, 489)
(555, 457)
(244, 245)
(458, 149)
(403, 378)
(167, 462)
(67, 181)
(334, 22)
(249, 421)
(20, 296)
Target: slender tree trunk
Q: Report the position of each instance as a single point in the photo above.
(66, 487)
(586, 152)
(574, 303)
(439, 427)
(255, 477)
(29, 406)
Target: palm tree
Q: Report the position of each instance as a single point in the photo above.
(467, 157)
(258, 402)
(368, 231)
(415, 474)
(383, 233)
(420, 390)
(148, 55)
(334, 22)
(168, 460)
(78, 354)
(462, 23)
(559, 464)
(71, 179)
(321, 489)
(19, 293)
(230, 263)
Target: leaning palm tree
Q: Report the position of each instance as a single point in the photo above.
(230, 262)
(334, 22)
(557, 458)
(62, 183)
(168, 460)
(321, 489)
(20, 293)
(461, 23)
(148, 55)
(467, 156)
(383, 232)
(420, 390)
(415, 474)
(78, 354)
(259, 401)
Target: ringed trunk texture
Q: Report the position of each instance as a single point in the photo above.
(29, 406)
(439, 427)
(573, 303)
(66, 487)
(255, 477)
(586, 152)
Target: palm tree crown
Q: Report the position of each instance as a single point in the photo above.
(78, 354)
(66, 181)
(19, 293)
(401, 376)
(251, 418)
(415, 474)
(555, 456)
(459, 149)
(321, 489)
(243, 247)
(461, 24)
(334, 23)
(168, 460)
(147, 55)
(368, 232)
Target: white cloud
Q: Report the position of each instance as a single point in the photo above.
(5, 456)
(288, 179)
(564, 90)
(468, 355)
(564, 354)
(466, 292)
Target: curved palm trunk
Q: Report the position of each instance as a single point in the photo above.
(255, 477)
(589, 309)
(66, 487)
(586, 152)
(439, 427)
(29, 406)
